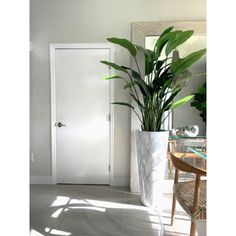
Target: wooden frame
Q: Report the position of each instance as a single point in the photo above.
(140, 30)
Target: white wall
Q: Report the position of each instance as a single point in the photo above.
(89, 21)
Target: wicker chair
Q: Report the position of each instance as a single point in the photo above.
(191, 195)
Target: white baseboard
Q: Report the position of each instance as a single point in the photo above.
(37, 179)
(115, 181)
(120, 181)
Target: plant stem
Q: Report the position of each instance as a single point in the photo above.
(166, 117)
(136, 93)
(138, 116)
(137, 65)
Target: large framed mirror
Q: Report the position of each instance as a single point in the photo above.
(145, 34)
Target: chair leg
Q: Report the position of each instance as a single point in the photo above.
(193, 228)
(169, 167)
(173, 209)
(203, 164)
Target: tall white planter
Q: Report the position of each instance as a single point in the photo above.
(151, 152)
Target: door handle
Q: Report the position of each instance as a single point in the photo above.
(59, 124)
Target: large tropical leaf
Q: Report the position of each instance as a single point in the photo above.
(169, 100)
(134, 73)
(177, 39)
(149, 62)
(181, 101)
(159, 67)
(115, 66)
(108, 77)
(141, 107)
(167, 30)
(125, 44)
(123, 104)
(139, 81)
(129, 85)
(161, 79)
(142, 86)
(136, 76)
(149, 59)
(162, 41)
(183, 64)
(159, 64)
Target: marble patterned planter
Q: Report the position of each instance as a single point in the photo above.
(151, 151)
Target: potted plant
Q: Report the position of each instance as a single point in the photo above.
(199, 101)
(154, 91)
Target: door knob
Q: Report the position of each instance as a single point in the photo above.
(59, 124)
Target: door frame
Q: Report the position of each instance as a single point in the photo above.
(53, 48)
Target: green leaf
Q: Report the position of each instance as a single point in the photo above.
(125, 44)
(169, 100)
(162, 41)
(134, 73)
(183, 64)
(194, 103)
(142, 86)
(177, 39)
(139, 81)
(123, 104)
(204, 105)
(108, 77)
(159, 65)
(161, 79)
(202, 90)
(141, 107)
(149, 62)
(149, 59)
(129, 85)
(136, 76)
(181, 101)
(115, 66)
(167, 30)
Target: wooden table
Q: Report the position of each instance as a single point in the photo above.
(191, 154)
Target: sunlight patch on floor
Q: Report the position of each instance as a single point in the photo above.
(57, 213)
(59, 232)
(35, 233)
(60, 201)
(77, 201)
(56, 232)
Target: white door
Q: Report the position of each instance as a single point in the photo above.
(81, 115)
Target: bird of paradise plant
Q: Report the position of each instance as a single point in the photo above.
(154, 90)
